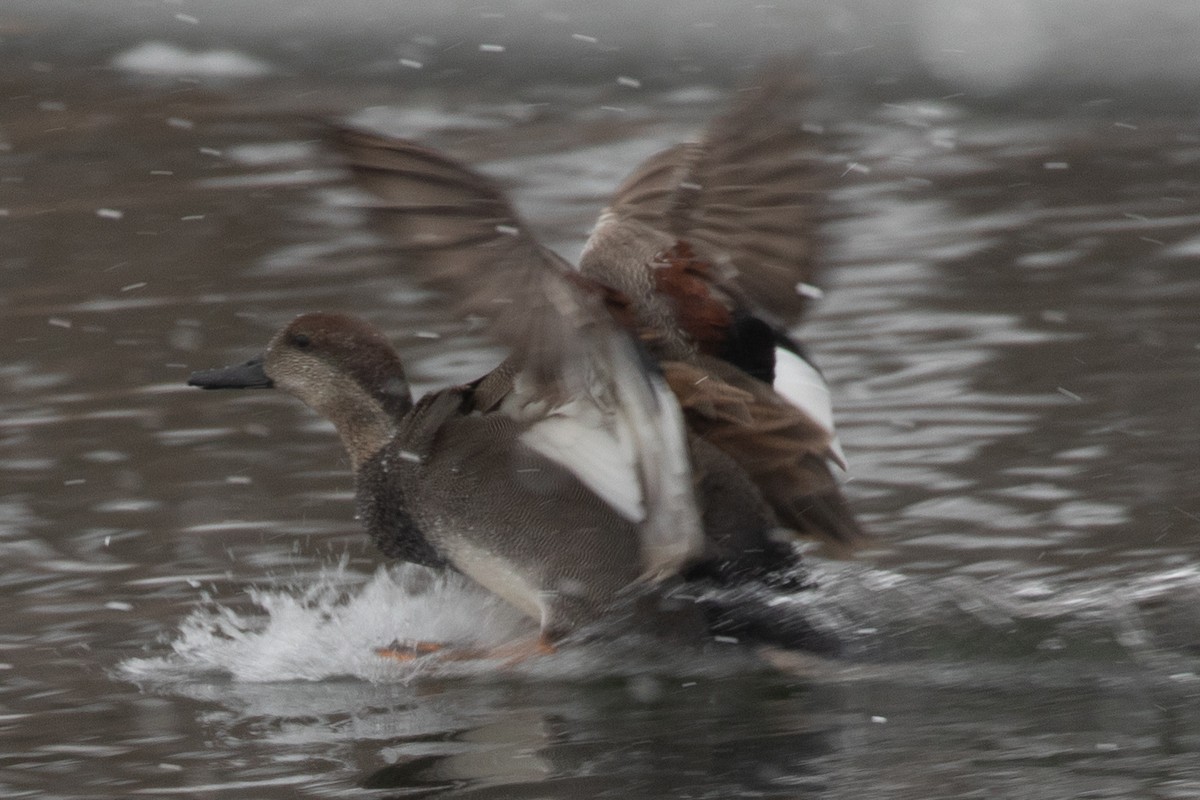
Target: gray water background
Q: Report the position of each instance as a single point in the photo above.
(1010, 329)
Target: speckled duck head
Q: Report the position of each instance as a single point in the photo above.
(340, 367)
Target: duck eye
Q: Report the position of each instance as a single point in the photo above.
(301, 340)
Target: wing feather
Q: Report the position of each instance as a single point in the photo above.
(743, 197)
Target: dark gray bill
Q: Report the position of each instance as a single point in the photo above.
(243, 376)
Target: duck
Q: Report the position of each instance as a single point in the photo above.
(573, 524)
(646, 433)
(569, 523)
(705, 254)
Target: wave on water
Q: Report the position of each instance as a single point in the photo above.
(324, 630)
(328, 631)
(1149, 621)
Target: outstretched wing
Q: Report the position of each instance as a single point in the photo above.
(743, 198)
(575, 369)
(708, 233)
(456, 231)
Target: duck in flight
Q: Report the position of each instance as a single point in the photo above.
(654, 423)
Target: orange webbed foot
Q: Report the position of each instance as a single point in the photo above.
(523, 650)
(510, 653)
(409, 650)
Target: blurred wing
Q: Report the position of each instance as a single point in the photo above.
(743, 197)
(578, 373)
(456, 230)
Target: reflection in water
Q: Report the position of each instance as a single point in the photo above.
(1009, 328)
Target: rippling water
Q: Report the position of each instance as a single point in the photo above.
(1010, 328)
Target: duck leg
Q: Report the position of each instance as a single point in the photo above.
(511, 653)
(410, 650)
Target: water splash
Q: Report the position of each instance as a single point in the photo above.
(326, 630)
(331, 628)
(888, 617)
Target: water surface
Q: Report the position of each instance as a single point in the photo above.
(1009, 328)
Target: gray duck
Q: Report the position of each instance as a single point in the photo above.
(640, 434)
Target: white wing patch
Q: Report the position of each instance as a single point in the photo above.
(800, 384)
(622, 435)
(673, 533)
(576, 437)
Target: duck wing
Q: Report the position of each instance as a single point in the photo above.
(713, 244)
(591, 400)
(787, 454)
(455, 229)
(743, 198)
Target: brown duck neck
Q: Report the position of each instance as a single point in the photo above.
(364, 420)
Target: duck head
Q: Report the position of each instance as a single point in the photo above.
(340, 367)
